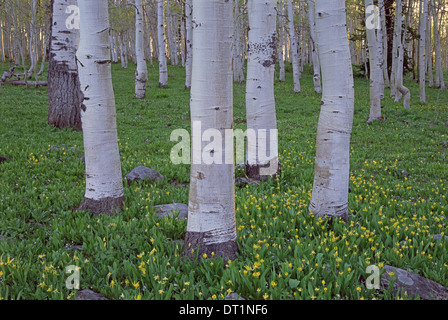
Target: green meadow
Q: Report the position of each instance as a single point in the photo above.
(398, 200)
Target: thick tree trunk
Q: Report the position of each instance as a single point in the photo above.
(332, 168)
(64, 92)
(262, 152)
(141, 73)
(211, 228)
(104, 186)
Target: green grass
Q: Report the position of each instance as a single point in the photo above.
(285, 253)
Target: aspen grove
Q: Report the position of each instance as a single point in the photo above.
(223, 150)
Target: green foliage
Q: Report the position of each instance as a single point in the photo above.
(285, 253)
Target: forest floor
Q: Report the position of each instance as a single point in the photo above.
(399, 182)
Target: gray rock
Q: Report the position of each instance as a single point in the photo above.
(89, 295)
(142, 173)
(234, 296)
(170, 210)
(413, 284)
(74, 248)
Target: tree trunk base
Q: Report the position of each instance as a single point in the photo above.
(195, 245)
(338, 213)
(108, 206)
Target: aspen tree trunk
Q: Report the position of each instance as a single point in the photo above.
(439, 82)
(373, 43)
(281, 37)
(421, 50)
(332, 168)
(104, 186)
(113, 47)
(163, 68)
(64, 93)
(211, 228)
(239, 43)
(314, 53)
(384, 44)
(123, 51)
(294, 48)
(171, 36)
(262, 154)
(189, 42)
(428, 44)
(401, 38)
(141, 73)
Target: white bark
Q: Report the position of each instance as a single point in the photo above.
(189, 42)
(239, 43)
(280, 28)
(63, 82)
(439, 81)
(331, 177)
(260, 101)
(294, 47)
(141, 73)
(163, 68)
(211, 212)
(402, 91)
(373, 43)
(314, 53)
(421, 51)
(104, 187)
(428, 44)
(384, 44)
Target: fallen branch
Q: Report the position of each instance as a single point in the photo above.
(27, 83)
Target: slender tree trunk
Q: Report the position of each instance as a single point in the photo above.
(189, 42)
(163, 68)
(314, 53)
(64, 93)
(421, 50)
(385, 49)
(141, 73)
(262, 152)
(211, 228)
(239, 43)
(332, 168)
(439, 81)
(428, 44)
(373, 43)
(401, 38)
(104, 186)
(294, 48)
(281, 37)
